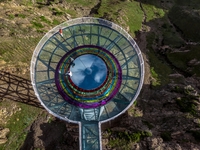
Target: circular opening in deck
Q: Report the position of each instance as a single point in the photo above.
(89, 71)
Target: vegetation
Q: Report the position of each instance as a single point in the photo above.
(153, 12)
(55, 22)
(148, 124)
(11, 16)
(155, 80)
(122, 139)
(166, 136)
(57, 12)
(9, 49)
(180, 17)
(187, 102)
(21, 15)
(186, 105)
(170, 37)
(159, 70)
(83, 3)
(181, 60)
(196, 135)
(123, 17)
(18, 124)
(177, 89)
(37, 25)
(44, 19)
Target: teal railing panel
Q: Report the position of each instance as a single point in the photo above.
(90, 135)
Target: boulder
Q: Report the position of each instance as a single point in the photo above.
(3, 133)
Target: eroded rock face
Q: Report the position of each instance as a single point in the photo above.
(3, 133)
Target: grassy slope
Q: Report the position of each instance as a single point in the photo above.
(159, 69)
(185, 15)
(180, 16)
(131, 15)
(16, 49)
(181, 60)
(18, 124)
(17, 46)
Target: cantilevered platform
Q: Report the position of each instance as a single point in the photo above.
(87, 71)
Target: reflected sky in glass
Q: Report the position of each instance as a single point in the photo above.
(89, 71)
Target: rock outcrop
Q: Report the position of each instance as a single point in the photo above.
(3, 133)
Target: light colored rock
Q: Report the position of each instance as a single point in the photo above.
(3, 141)
(3, 134)
(176, 75)
(154, 142)
(176, 133)
(104, 141)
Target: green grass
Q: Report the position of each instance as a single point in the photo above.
(105, 12)
(85, 3)
(11, 16)
(148, 124)
(18, 124)
(186, 104)
(57, 12)
(16, 50)
(123, 139)
(155, 80)
(25, 2)
(135, 16)
(153, 12)
(131, 15)
(181, 60)
(55, 22)
(22, 15)
(45, 22)
(37, 24)
(40, 1)
(159, 69)
(71, 12)
(177, 89)
(44, 19)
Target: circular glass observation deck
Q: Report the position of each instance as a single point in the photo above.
(87, 71)
(106, 66)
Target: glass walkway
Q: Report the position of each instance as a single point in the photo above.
(87, 71)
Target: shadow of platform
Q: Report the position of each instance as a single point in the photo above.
(17, 89)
